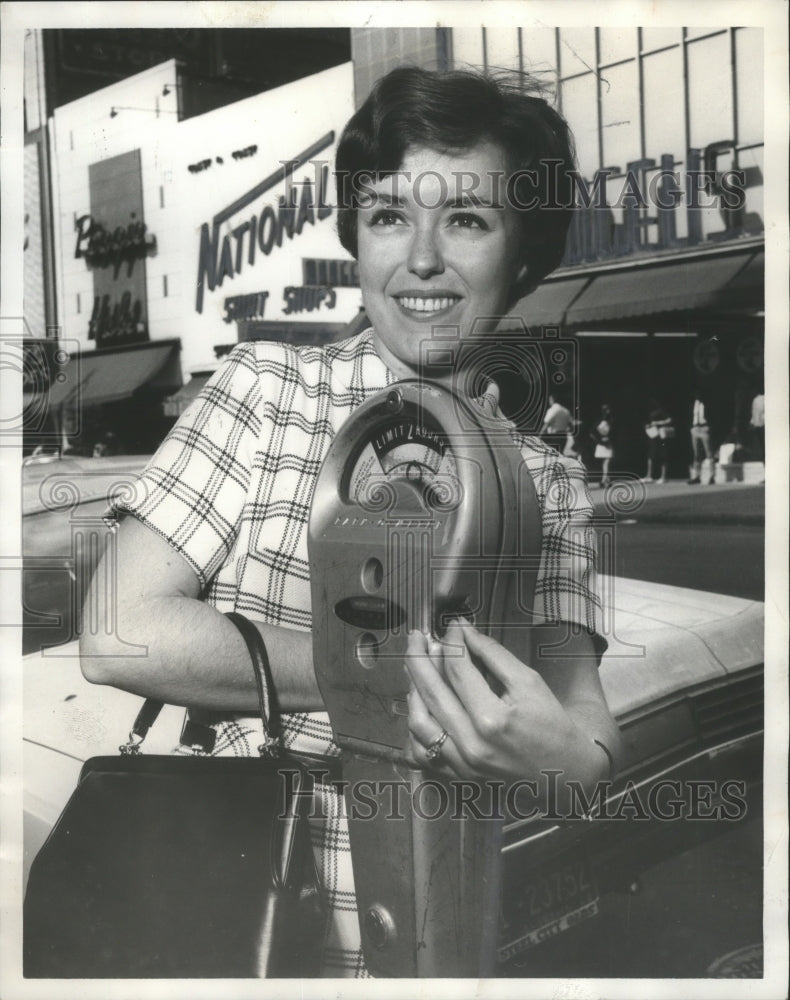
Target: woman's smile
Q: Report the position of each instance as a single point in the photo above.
(425, 305)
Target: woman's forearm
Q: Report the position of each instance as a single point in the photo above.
(182, 651)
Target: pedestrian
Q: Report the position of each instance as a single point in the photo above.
(558, 425)
(220, 521)
(659, 430)
(603, 436)
(702, 458)
(757, 427)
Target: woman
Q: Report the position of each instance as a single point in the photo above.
(437, 204)
(659, 429)
(602, 436)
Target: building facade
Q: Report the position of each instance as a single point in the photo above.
(168, 227)
(662, 285)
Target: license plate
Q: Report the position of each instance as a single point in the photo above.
(544, 904)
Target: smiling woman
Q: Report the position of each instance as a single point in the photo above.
(454, 195)
(427, 257)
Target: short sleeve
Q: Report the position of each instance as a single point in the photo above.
(193, 490)
(567, 585)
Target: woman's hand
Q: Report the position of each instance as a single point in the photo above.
(529, 728)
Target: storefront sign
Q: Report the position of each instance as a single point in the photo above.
(337, 273)
(245, 307)
(112, 239)
(262, 231)
(118, 322)
(101, 248)
(307, 299)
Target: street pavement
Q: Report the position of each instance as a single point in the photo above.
(677, 502)
(703, 537)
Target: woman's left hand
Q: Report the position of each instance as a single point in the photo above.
(519, 733)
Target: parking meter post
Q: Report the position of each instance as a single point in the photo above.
(419, 514)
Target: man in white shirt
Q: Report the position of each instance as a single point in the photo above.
(757, 426)
(557, 424)
(700, 445)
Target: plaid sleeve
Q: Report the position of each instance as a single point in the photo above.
(193, 490)
(567, 585)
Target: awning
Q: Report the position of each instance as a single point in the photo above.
(175, 405)
(749, 283)
(723, 278)
(547, 305)
(105, 376)
(695, 283)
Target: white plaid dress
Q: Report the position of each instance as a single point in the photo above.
(230, 489)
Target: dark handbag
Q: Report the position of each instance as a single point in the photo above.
(179, 866)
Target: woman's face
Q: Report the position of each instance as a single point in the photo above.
(438, 246)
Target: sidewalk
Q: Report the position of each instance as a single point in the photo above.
(677, 502)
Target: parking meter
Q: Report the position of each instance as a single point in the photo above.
(423, 510)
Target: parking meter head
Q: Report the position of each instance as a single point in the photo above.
(416, 517)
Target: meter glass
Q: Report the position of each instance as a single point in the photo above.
(401, 451)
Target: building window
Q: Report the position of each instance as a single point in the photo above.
(692, 33)
(659, 38)
(502, 48)
(616, 44)
(710, 91)
(749, 76)
(577, 50)
(620, 115)
(467, 47)
(580, 107)
(663, 102)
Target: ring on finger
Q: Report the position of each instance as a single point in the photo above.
(434, 749)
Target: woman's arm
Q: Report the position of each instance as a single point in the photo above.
(169, 645)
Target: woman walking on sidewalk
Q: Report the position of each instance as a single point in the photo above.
(602, 435)
(659, 429)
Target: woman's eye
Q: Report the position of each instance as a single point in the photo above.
(468, 220)
(385, 217)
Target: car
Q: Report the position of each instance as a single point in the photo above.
(683, 675)
(63, 501)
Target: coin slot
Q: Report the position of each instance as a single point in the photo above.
(367, 650)
(372, 575)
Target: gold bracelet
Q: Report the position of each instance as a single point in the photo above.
(609, 757)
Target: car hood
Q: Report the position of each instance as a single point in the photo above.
(54, 485)
(664, 640)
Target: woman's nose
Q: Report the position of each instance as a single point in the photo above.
(425, 256)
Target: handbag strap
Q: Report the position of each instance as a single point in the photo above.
(263, 679)
(264, 683)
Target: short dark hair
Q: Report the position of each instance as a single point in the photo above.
(454, 111)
